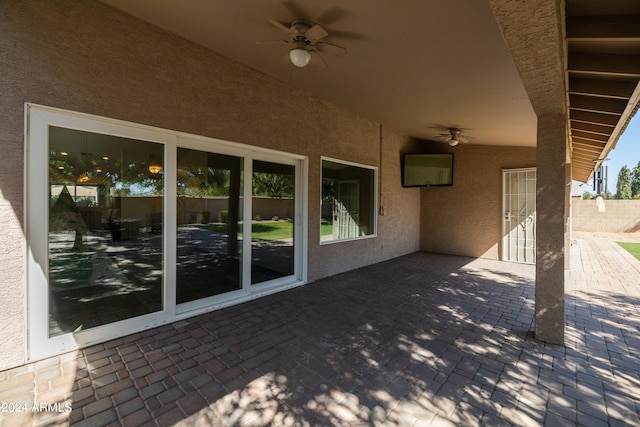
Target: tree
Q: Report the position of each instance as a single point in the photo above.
(202, 181)
(623, 188)
(272, 185)
(635, 182)
(587, 196)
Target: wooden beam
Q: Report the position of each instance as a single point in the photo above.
(587, 143)
(586, 155)
(585, 168)
(585, 146)
(602, 87)
(597, 105)
(575, 133)
(606, 27)
(604, 64)
(595, 118)
(581, 175)
(592, 128)
(585, 162)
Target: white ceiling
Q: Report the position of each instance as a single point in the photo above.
(417, 66)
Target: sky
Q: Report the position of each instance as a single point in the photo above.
(627, 152)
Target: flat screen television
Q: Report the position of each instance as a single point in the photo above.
(427, 170)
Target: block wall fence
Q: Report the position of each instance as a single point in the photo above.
(619, 216)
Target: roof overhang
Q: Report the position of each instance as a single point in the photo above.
(603, 78)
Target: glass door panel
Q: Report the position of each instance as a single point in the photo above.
(209, 215)
(272, 226)
(105, 235)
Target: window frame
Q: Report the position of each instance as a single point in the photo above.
(374, 191)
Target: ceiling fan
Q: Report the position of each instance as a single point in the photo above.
(453, 136)
(305, 37)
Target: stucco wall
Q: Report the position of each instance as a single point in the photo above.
(466, 218)
(619, 216)
(84, 56)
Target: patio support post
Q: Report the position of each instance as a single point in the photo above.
(551, 219)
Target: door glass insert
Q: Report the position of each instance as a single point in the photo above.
(105, 245)
(209, 215)
(272, 225)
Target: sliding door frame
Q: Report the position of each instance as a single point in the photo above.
(38, 119)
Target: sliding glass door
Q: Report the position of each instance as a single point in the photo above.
(105, 237)
(273, 225)
(209, 234)
(130, 227)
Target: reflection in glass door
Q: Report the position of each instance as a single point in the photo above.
(209, 214)
(348, 208)
(272, 226)
(105, 246)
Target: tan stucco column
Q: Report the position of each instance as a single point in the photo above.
(550, 238)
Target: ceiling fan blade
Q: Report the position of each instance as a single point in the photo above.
(331, 15)
(331, 48)
(317, 60)
(274, 41)
(280, 26)
(316, 33)
(295, 10)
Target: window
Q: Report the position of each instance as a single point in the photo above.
(348, 201)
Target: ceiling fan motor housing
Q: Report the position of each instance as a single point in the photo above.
(300, 27)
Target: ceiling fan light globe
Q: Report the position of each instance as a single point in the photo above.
(299, 57)
(453, 142)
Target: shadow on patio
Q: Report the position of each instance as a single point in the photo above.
(416, 340)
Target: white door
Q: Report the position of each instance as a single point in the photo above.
(519, 215)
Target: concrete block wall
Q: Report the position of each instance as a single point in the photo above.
(466, 218)
(619, 216)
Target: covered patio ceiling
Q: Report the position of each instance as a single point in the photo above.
(428, 66)
(603, 77)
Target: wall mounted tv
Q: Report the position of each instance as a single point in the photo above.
(427, 170)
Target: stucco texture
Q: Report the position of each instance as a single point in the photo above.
(85, 56)
(466, 218)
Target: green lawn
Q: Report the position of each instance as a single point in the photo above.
(326, 229)
(632, 248)
(267, 230)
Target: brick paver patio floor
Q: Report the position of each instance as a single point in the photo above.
(419, 340)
